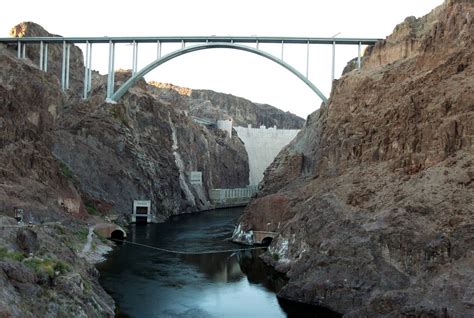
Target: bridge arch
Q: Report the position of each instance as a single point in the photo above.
(132, 80)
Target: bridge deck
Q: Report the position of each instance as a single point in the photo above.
(196, 39)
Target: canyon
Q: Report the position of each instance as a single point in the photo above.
(373, 201)
(67, 163)
(371, 205)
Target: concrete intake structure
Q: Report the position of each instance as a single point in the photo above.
(262, 146)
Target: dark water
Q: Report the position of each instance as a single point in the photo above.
(150, 283)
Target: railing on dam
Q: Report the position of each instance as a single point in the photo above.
(230, 197)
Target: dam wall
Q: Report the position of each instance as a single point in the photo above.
(263, 145)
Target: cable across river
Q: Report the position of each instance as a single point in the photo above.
(192, 253)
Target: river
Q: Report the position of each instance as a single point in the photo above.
(151, 283)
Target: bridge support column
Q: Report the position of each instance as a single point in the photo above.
(45, 60)
(18, 50)
(358, 55)
(282, 47)
(111, 74)
(307, 60)
(87, 70)
(41, 56)
(333, 69)
(158, 49)
(68, 53)
(135, 58)
(63, 68)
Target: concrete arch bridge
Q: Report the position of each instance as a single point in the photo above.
(189, 44)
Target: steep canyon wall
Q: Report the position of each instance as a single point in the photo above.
(374, 199)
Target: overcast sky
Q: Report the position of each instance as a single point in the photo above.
(229, 71)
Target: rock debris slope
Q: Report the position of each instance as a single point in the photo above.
(374, 200)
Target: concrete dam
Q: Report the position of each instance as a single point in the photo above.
(263, 145)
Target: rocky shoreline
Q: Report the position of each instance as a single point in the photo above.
(373, 202)
(43, 274)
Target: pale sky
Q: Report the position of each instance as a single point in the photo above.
(228, 71)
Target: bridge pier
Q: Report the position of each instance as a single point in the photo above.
(88, 70)
(111, 74)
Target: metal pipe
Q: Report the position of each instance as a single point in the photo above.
(24, 51)
(182, 44)
(45, 66)
(333, 70)
(18, 49)
(41, 56)
(257, 44)
(68, 53)
(358, 56)
(63, 67)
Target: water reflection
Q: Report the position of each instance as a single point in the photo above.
(223, 268)
(149, 283)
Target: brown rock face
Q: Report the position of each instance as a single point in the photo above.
(55, 52)
(380, 212)
(31, 177)
(144, 147)
(211, 105)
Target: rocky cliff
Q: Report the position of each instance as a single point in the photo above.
(373, 202)
(68, 162)
(211, 105)
(145, 147)
(41, 273)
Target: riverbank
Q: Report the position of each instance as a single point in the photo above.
(148, 282)
(43, 274)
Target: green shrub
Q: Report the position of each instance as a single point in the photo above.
(48, 266)
(66, 171)
(81, 234)
(91, 209)
(15, 256)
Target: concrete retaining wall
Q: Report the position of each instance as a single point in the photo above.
(231, 196)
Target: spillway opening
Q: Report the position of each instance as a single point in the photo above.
(117, 235)
(267, 241)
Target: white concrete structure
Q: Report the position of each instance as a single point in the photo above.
(225, 125)
(262, 146)
(232, 196)
(141, 209)
(195, 177)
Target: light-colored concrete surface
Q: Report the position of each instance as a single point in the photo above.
(263, 145)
